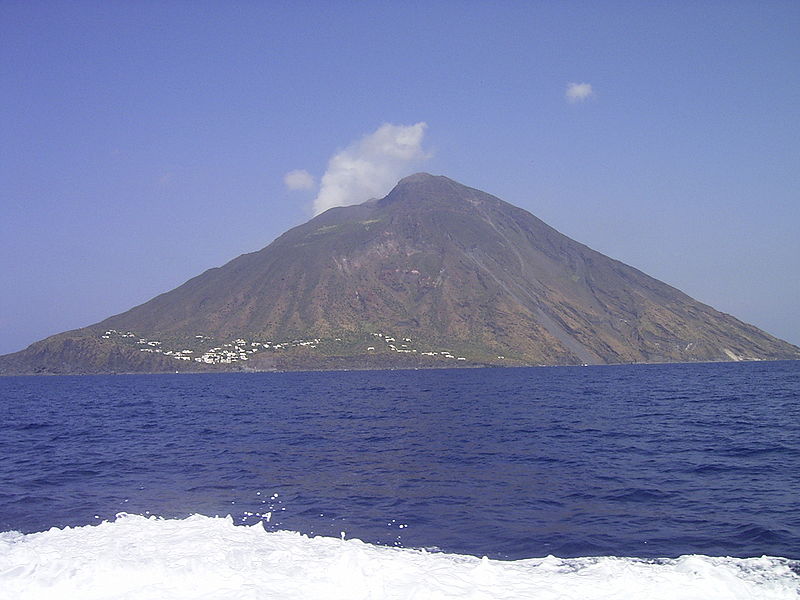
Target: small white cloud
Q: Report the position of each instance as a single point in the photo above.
(299, 179)
(369, 167)
(578, 92)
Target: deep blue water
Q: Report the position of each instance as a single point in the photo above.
(648, 461)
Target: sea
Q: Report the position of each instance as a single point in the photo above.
(634, 481)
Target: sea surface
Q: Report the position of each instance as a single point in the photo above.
(644, 461)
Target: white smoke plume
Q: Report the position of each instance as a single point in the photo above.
(369, 167)
(299, 179)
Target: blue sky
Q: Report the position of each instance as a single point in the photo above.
(144, 142)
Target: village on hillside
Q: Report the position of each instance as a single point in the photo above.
(242, 349)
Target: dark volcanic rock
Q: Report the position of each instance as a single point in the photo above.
(434, 267)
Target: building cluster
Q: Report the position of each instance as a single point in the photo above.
(403, 346)
(241, 349)
(238, 350)
(113, 332)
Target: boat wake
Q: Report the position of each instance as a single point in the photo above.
(136, 557)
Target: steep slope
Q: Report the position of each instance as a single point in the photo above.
(432, 273)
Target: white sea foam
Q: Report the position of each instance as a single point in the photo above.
(136, 557)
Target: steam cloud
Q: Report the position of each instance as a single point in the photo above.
(578, 92)
(369, 167)
(299, 179)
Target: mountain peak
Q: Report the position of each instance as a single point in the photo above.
(434, 274)
(421, 177)
(424, 188)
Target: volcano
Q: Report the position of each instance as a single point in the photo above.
(435, 274)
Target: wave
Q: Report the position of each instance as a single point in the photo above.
(199, 557)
